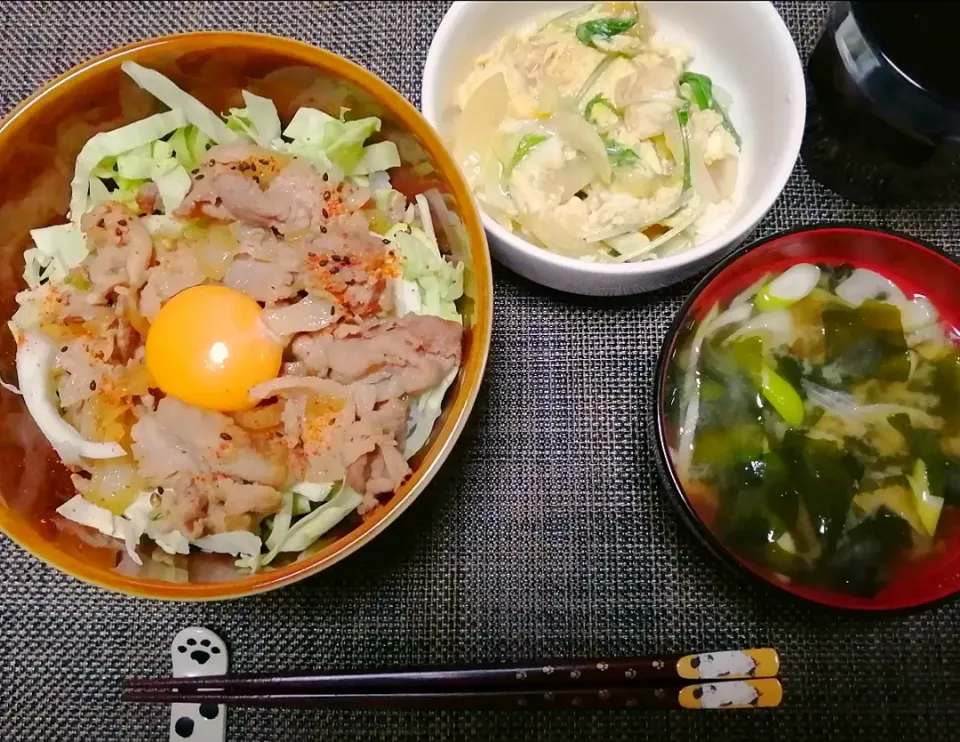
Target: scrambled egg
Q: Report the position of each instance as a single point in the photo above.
(625, 84)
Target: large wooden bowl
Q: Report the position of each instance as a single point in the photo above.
(39, 142)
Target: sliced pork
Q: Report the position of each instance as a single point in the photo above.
(400, 356)
(180, 438)
(214, 504)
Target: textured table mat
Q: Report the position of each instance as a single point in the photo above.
(544, 534)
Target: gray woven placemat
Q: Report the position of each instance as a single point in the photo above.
(545, 534)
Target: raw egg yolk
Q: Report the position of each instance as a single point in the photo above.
(208, 346)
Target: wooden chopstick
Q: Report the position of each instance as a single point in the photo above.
(748, 664)
(728, 694)
(482, 686)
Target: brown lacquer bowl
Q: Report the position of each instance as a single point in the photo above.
(39, 142)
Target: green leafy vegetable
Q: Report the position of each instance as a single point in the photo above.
(599, 100)
(701, 90)
(603, 28)
(528, 142)
(620, 156)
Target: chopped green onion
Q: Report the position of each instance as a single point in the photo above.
(781, 396)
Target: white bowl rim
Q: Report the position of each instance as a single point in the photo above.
(731, 233)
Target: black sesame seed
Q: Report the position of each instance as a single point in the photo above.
(195, 171)
(276, 232)
(323, 230)
(226, 436)
(334, 271)
(256, 178)
(100, 224)
(93, 386)
(264, 162)
(159, 490)
(122, 222)
(325, 214)
(336, 258)
(326, 195)
(200, 177)
(157, 212)
(386, 242)
(217, 201)
(323, 262)
(311, 255)
(325, 177)
(63, 349)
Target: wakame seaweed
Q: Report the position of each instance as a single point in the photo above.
(866, 342)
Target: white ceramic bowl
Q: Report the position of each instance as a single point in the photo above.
(747, 50)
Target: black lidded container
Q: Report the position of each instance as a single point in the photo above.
(883, 125)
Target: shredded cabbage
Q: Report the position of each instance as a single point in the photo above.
(259, 120)
(56, 250)
(174, 98)
(430, 284)
(321, 137)
(377, 158)
(286, 537)
(424, 413)
(112, 143)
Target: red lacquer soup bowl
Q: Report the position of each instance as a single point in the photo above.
(918, 269)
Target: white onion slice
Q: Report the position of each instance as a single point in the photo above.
(775, 326)
(478, 124)
(700, 178)
(734, 315)
(35, 355)
(577, 133)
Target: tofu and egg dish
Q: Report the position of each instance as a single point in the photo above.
(242, 334)
(589, 135)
